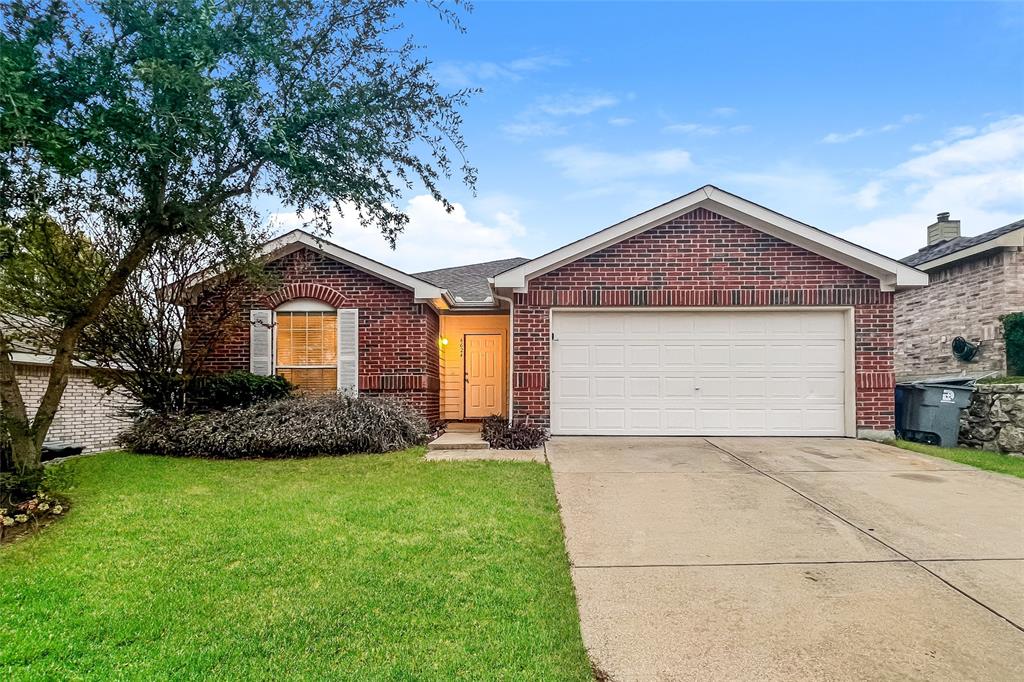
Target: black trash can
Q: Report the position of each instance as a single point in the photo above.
(929, 412)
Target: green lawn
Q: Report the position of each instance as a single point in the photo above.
(992, 461)
(366, 567)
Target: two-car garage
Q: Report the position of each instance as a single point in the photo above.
(755, 372)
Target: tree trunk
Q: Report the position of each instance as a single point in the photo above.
(25, 455)
(27, 437)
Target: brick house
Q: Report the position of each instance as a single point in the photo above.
(706, 315)
(973, 282)
(89, 416)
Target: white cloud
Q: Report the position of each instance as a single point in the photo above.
(535, 128)
(621, 121)
(703, 129)
(954, 133)
(543, 118)
(978, 178)
(867, 196)
(471, 74)
(724, 112)
(1000, 142)
(587, 165)
(692, 129)
(839, 138)
(575, 103)
(433, 238)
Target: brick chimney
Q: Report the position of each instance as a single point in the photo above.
(943, 229)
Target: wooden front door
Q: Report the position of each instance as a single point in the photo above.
(485, 380)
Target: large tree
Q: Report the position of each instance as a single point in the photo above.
(125, 124)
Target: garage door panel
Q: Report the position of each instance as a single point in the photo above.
(714, 372)
(609, 418)
(646, 356)
(711, 356)
(571, 356)
(609, 387)
(645, 387)
(675, 356)
(607, 356)
(572, 387)
(608, 324)
(679, 387)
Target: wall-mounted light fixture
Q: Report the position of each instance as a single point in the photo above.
(444, 340)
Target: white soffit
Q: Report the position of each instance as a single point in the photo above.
(891, 273)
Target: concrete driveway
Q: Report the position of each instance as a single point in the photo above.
(791, 558)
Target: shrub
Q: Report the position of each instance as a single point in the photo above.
(500, 434)
(35, 496)
(234, 389)
(334, 424)
(1013, 333)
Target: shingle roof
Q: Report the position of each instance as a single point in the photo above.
(930, 253)
(469, 282)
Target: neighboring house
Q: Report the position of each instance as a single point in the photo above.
(706, 315)
(974, 281)
(88, 416)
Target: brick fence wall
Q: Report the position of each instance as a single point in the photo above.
(88, 416)
(703, 259)
(965, 299)
(398, 352)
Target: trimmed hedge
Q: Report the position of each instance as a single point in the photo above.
(233, 389)
(499, 434)
(333, 424)
(1013, 333)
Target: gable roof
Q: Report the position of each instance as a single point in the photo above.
(468, 283)
(300, 239)
(1001, 236)
(891, 273)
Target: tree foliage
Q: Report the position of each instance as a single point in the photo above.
(1013, 333)
(125, 124)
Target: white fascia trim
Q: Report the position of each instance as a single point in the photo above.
(1008, 240)
(297, 239)
(891, 273)
(25, 358)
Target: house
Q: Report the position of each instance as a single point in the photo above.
(974, 281)
(89, 416)
(706, 315)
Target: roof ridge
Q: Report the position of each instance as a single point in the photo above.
(471, 265)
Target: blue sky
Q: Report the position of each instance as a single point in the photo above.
(859, 118)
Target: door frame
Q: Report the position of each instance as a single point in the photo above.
(465, 371)
(850, 345)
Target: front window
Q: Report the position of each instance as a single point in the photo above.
(307, 349)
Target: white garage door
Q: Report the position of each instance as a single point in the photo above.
(754, 373)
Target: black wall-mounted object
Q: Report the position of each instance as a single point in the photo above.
(964, 349)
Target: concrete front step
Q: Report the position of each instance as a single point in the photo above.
(455, 440)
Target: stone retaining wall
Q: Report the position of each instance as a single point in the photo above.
(995, 419)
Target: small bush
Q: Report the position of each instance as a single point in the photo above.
(234, 389)
(333, 424)
(499, 434)
(33, 497)
(1013, 333)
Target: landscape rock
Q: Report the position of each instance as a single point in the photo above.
(995, 419)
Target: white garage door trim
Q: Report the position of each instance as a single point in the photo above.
(569, 407)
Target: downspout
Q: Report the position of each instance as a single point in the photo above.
(511, 345)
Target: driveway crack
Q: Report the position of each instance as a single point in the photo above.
(853, 525)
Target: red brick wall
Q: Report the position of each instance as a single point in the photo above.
(397, 337)
(703, 259)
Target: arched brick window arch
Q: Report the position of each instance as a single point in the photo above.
(319, 292)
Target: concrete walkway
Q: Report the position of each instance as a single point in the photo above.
(775, 558)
